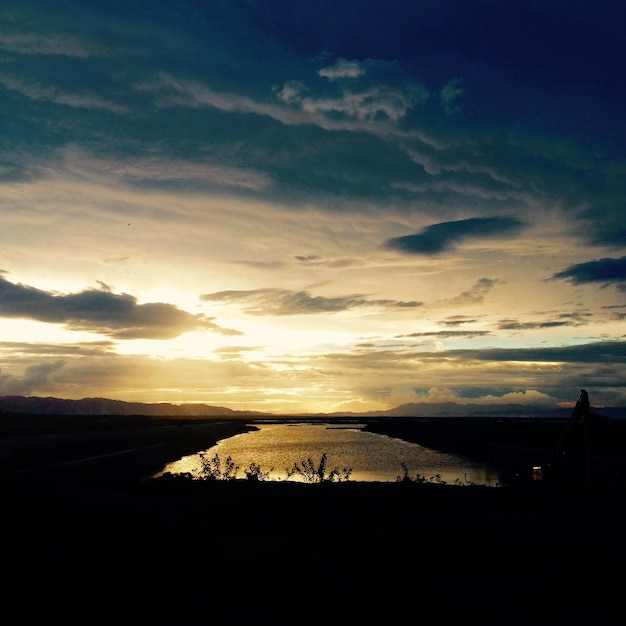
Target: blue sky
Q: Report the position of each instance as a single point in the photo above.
(313, 206)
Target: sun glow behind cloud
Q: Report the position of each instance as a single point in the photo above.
(300, 223)
(32, 332)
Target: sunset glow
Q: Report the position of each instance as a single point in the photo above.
(312, 210)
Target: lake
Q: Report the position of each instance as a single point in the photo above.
(370, 457)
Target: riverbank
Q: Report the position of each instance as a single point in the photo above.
(525, 449)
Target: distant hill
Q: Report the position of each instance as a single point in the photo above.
(104, 406)
(454, 409)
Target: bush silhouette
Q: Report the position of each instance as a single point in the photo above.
(311, 474)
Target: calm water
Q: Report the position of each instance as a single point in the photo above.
(275, 448)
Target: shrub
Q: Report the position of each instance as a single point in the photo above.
(418, 478)
(307, 471)
(255, 473)
(462, 483)
(211, 468)
(311, 474)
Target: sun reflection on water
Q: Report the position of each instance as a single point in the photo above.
(275, 448)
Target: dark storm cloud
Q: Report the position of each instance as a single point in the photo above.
(604, 271)
(34, 377)
(611, 233)
(441, 334)
(314, 260)
(443, 236)
(116, 315)
(564, 319)
(93, 348)
(605, 359)
(605, 352)
(458, 320)
(514, 325)
(285, 302)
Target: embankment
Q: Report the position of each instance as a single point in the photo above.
(110, 448)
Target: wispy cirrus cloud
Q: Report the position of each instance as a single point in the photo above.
(474, 295)
(84, 100)
(286, 302)
(48, 44)
(342, 68)
(370, 109)
(162, 169)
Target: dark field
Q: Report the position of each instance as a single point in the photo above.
(96, 531)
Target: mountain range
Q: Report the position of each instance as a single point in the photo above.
(104, 406)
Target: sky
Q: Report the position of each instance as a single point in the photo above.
(318, 206)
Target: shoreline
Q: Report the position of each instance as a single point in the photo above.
(139, 446)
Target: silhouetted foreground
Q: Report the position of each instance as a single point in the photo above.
(287, 552)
